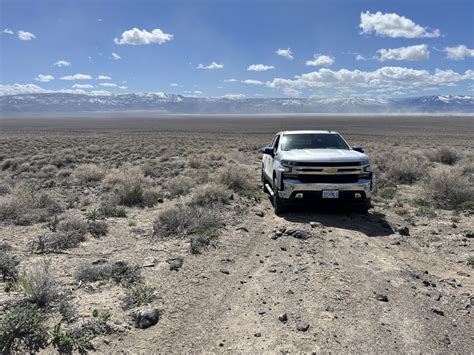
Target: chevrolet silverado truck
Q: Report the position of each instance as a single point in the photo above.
(315, 165)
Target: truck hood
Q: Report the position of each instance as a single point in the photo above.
(322, 155)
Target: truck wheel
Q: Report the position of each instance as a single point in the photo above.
(279, 205)
(262, 179)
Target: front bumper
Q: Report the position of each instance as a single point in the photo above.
(292, 187)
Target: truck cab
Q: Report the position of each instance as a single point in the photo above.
(315, 165)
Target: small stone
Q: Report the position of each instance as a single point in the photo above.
(315, 224)
(437, 311)
(301, 234)
(445, 340)
(261, 312)
(147, 317)
(380, 297)
(175, 263)
(283, 317)
(149, 262)
(224, 271)
(403, 230)
(302, 326)
(258, 335)
(469, 234)
(260, 213)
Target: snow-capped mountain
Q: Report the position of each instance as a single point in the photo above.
(170, 103)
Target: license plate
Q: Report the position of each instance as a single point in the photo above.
(331, 194)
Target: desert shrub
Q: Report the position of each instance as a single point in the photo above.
(38, 285)
(48, 171)
(448, 188)
(211, 194)
(67, 311)
(73, 225)
(180, 185)
(151, 197)
(26, 205)
(198, 243)
(237, 179)
(444, 155)
(138, 296)
(11, 164)
(400, 167)
(4, 189)
(110, 208)
(22, 329)
(183, 221)
(8, 265)
(98, 228)
(126, 186)
(151, 170)
(195, 162)
(470, 261)
(88, 174)
(388, 193)
(119, 271)
(68, 234)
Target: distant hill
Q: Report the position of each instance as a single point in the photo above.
(169, 103)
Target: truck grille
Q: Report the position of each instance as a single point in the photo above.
(328, 164)
(329, 179)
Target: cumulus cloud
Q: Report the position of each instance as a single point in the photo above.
(25, 36)
(394, 26)
(383, 79)
(19, 89)
(418, 52)
(260, 67)
(138, 37)
(174, 85)
(459, 52)
(230, 80)
(110, 85)
(62, 63)
(122, 87)
(8, 31)
(233, 96)
(360, 57)
(213, 65)
(320, 61)
(116, 56)
(252, 82)
(44, 78)
(286, 53)
(82, 86)
(104, 77)
(76, 77)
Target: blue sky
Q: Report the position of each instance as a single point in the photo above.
(394, 48)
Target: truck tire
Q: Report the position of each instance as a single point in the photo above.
(264, 181)
(279, 205)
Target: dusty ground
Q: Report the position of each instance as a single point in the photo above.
(229, 297)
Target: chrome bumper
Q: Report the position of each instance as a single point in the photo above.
(290, 186)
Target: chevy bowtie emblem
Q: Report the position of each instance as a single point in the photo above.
(329, 171)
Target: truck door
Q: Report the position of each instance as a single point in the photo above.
(269, 159)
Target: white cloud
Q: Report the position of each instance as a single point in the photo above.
(384, 79)
(393, 25)
(7, 31)
(123, 87)
(360, 57)
(213, 65)
(459, 52)
(116, 56)
(286, 53)
(82, 86)
(62, 63)
(110, 85)
(25, 36)
(320, 60)
(76, 77)
(44, 78)
(174, 85)
(140, 37)
(252, 82)
(100, 93)
(19, 89)
(260, 67)
(220, 87)
(104, 77)
(418, 52)
(197, 92)
(233, 96)
(230, 80)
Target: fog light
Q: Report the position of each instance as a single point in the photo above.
(299, 195)
(357, 195)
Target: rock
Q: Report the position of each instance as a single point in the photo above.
(445, 340)
(243, 229)
(316, 225)
(301, 234)
(302, 326)
(175, 263)
(469, 234)
(437, 311)
(435, 295)
(261, 312)
(260, 213)
(149, 262)
(275, 236)
(258, 335)
(403, 230)
(145, 318)
(381, 297)
(283, 317)
(224, 271)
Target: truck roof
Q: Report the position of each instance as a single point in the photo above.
(309, 132)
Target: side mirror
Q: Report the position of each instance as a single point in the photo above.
(268, 150)
(358, 149)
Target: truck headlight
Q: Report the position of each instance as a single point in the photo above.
(288, 163)
(367, 169)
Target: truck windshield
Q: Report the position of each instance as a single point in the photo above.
(312, 141)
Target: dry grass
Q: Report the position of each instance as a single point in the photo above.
(211, 194)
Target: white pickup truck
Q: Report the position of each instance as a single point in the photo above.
(315, 165)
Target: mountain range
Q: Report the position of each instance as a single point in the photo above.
(178, 104)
